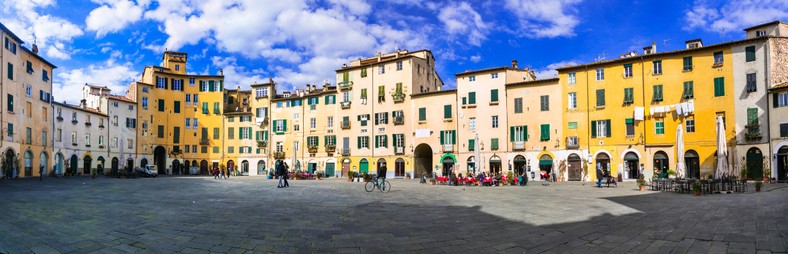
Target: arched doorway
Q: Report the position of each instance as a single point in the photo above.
(204, 167)
(470, 165)
(28, 163)
(160, 159)
(144, 162)
(692, 162)
(575, 167)
(447, 163)
(59, 164)
(100, 165)
(382, 164)
(519, 164)
(130, 163)
(782, 164)
(176, 167)
(195, 168)
(603, 163)
(230, 166)
(631, 166)
(755, 163)
(10, 158)
(186, 167)
(661, 165)
(422, 158)
(399, 168)
(260, 167)
(330, 168)
(363, 166)
(115, 165)
(245, 168)
(42, 163)
(73, 169)
(345, 166)
(311, 166)
(495, 164)
(87, 165)
(545, 164)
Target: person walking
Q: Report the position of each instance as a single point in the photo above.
(279, 171)
(599, 176)
(286, 172)
(215, 173)
(224, 173)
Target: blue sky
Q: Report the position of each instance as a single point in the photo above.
(108, 42)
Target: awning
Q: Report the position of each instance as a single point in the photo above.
(629, 120)
(545, 162)
(519, 159)
(448, 155)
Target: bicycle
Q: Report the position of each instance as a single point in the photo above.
(383, 186)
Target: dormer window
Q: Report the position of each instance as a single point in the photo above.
(760, 33)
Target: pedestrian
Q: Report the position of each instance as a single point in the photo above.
(279, 170)
(224, 173)
(41, 173)
(599, 176)
(215, 173)
(229, 171)
(286, 173)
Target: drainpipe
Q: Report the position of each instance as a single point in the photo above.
(768, 107)
(643, 99)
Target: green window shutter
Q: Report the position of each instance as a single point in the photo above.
(750, 53)
(257, 135)
(453, 137)
(447, 111)
(240, 133)
(346, 76)
(399, 88)
(719, 86)
(545, 131)
(363, 93)
(525, 133)
(472, 98)
(775, 100)
(464, 101)
(385, 141)
(265, 135)
(494, 95)
(284, 124)
(511, 134)
(608, 126)
(377, 143)
(358, 142)
(422, 114)
(471, 144)
(494, 142)
(752, 116)
(442, 138)
(381, 91)
(600, 97)
(593, 129)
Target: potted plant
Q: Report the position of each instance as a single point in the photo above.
(407, 176)
(758, 185)
(351, 175)
(367, 177)
(767, 172)
(319, 175)
(696, 188)
(510, 178)
(642, 183)
(671, 173)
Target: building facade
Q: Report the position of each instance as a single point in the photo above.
(80, 145)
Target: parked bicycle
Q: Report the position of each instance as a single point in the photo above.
(383, 185)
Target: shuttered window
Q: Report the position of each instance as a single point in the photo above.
(750, 53)
(472, 98)
(544, 132)
(629, 95)
(447, 111)
(544, 101)
(422, 114)
(657, 96)
(494, 95)
(719, 86)
(689, 91)
(600, 97)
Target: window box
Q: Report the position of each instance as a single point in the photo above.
(88, 124)
(345, 104)
(101, 126)
(88, 145)
(399, 120)
(74, 121)
(398, 97)
(312, 149)
(399, 150)
(716, 65)
(261, 143)
(101, 146)
(345, 85)
(74, 144)
(752, 135)
(279, 155)
(345, 125)
(59, 118)
(204, 142)
(331, 148)
(518, 145)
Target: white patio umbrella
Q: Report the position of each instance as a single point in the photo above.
(680, 167)
(722, 151)
(476, 155)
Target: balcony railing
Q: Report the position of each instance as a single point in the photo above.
(448, 148)
(262, 143)
(398, 97)
(346, 152)
(331, 148)
(345, 85)
(345, 125)
(572, 142)
(312, 149)
(205, 142)
(399, 120)
(753, 132)
(279, 155)
(399, 150)
(518, 145)
(344, 104)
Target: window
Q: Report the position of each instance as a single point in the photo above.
(690, 123)
(364, 73)
(28, 90)
(495, 121)
(74, 138)
(115, 120)
(215, 133)
(472, 98)
(760, 33)
(399, 65)
(160, 131)
(29, 136)
(230, 133)
(330, 122)
(203, 86)
(144, 89)
(176, 85)
(194, 123)
(659, 127)
(59, 135)
(572, 125)
(494, 144)
(544, 132)
(717, 59)
(422, 114)
(572, 78)
(176, 106)
(656, 67)
(191, 81)
(87, 140)
(145, 102)
(216, 108)
(572, 100)
(494, 95)
(10, 71)
(261, 92)
(215, 149)
(689, 92)
(750, 53)
(544, 102)
(188, 99)
(657, 96)
(10, 130)
(719, 86)
(780, 100)
(161, 82)
(73, 116)
(446, 111)
(494, 75)
(381, 141)
(784, 130)
(312, 123)
(363, 142)
(472, 78)
(687, 63)
(600, 129)
(101, 140)
(629, 96)
(230, 149)
(600, 74)
(630, 124)
(381, 69)
(600, 97)
(472, 123)
(29, 67)
(161, 105)
(751, 83)
(627, 70)
(518, 133)
(448, 137)
(10, 45)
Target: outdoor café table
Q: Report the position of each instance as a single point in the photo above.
(654, 184)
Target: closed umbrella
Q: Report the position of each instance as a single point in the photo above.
(680, 167)
(476, 156)
(722, 151)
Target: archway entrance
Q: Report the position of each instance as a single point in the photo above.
(230, 166)
(495, 164)
(42, 163)
(661, 165)
(260, 167)
(176, 167)
(28, 163)
(331, 168)
(130, 164)
(245, 168)
(422, 161)
(545, 164)
(8, 171)
(194, 168)
(345, 166)
(59, 164)
(160, 159)
(470, 165)
(363, 166)
(186, 167)
(311, 167)
(115, 165)
(399, 168)
(692, 162)
(631, 166)
(575, 167)
(755, 163)
(144, 162)
(204, 167)
(782, 164)
(603, 163)
(447, 162)
(87, 165)
(381, 165)
(519, 164)
(73, 165)
(100, 165)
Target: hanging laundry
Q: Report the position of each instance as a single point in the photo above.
(691, 106)
(651, 111)
(678, 109)
(639, 111)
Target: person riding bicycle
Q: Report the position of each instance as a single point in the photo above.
(381, 171)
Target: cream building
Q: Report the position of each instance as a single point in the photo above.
(431, 145)
(80, 145)
(261, 103)
(121, 125)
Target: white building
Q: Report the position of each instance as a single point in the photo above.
(121, 126)
(80, 140)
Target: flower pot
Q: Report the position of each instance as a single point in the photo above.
(696, 193)
(642, 188)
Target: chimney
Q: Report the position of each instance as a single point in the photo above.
(344, 65)
(83, 103)
(514, 63)
(221, 72)
(653, 47)
(35, 49)
(378, 56)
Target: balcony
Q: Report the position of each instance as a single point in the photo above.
(59, 118)
(88, 124)
(753, 132)
(399, 150)
(448, 148)
(312, 149)
(345, 104)
(346, 152)
(262, 143)
(518, 145)
(345, 125)
(572, 142)
(399, 120)
(398, 97)
(345, 85)
(205, 142)
(331, 148)
(74, 121)
(279, 155)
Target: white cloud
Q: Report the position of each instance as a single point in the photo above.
(356, 7)
(545, 18)
(52, 34)
(68, 84)
(734, 15)
(112, 16)
(476, 58)
(550, 72)
(235, 75)
(462, 20)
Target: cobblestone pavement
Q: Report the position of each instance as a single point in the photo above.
(249, 214)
